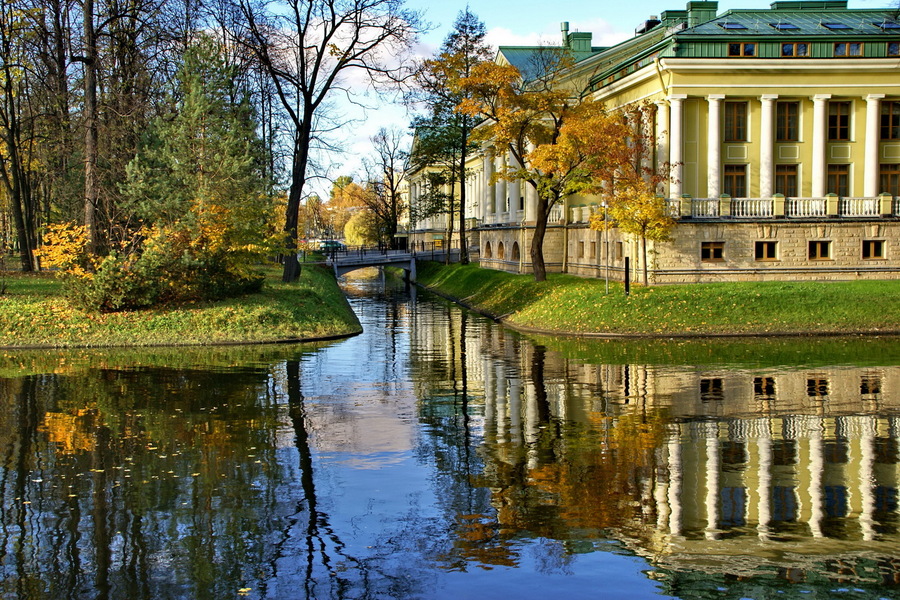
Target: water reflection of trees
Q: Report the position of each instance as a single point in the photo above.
(688, 465)
(141, 483)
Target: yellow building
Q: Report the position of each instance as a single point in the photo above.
(781, 127)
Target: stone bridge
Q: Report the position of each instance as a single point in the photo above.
(345, 261)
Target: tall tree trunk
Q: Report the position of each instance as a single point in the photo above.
(537, 242)
(91, 182)
(463, 246)
(450, 220)
(15, 177)
(644, 259)
(292, 212)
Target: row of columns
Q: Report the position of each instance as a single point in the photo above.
(670, 143)
(504, 196)
(669, 491)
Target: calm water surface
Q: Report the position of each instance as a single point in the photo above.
(440, 456)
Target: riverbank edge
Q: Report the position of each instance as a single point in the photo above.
(506, 322)
(352, 328)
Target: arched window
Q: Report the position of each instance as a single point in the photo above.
(515, 251)
(500, 251)
(487, 250)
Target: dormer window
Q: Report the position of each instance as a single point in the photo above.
(848, 49)
(742, 49)
(793, 49)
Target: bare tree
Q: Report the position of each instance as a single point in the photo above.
(308, 49)
(385, 176)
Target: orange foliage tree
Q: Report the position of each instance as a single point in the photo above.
(562, 143)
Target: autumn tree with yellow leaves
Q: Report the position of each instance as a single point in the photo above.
(201, 217)
(563, 144)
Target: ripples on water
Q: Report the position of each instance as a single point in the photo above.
(440, 456)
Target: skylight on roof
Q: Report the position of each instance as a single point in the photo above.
(887, 25)
(834, 26)
(732, 26)
(784, 26)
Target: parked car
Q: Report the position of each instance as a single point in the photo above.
(331, 246)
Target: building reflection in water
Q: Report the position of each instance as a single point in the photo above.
(739, 470)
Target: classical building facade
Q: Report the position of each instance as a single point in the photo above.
(781, 128)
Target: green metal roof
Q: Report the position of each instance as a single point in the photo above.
(798, 23)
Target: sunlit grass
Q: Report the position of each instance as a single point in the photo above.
(567, 303)
(35, 312)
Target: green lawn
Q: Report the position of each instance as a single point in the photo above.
(571, 304)
(34, 312)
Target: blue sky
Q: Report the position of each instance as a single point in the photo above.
(527, 22)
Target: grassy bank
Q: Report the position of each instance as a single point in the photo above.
(565, 303)
(34, 312)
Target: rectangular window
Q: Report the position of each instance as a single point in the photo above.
(766, 251)
(819, 250)
(795, 49)
(890, 120)
(593, 249)
(872, 249)
(734, 180)
(711, 390)
(787, 121)
(620, 251)
(870, 385)
(852, 49)
(890, 179)
(839, 180)
(817, 387)
(735, 122)
(893, 48)
(764, 387)
(712, 251)
(839, 121)
(786, 179)
(580, 249)
(742, 49)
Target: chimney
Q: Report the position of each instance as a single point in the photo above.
(565, 33)
(701, 12)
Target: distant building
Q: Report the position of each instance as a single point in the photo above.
(782, 128)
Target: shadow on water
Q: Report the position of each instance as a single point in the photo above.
(440, 455)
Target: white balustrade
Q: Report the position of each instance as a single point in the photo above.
(805, 207)
(859, 207)
(748, 208)
(704, 207)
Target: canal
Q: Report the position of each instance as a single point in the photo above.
(439, 455)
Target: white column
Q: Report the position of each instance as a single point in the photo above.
(767, 146)
(868, 427)
(515, 189)
(764, 478)
(530, 196)
(820, 137)
(662, 136)
(713, 144)
(873, 120)
(712, 480)
(675, 479)
(816, 468)
(500, 186)
(488, 168)
(676, 143)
